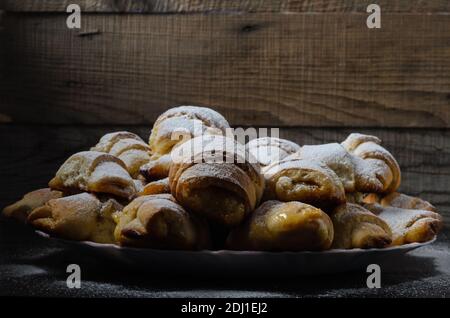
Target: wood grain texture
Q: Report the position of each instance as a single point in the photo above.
(31, 155)
(263, 69)
(227, 6)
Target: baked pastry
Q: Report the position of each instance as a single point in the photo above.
(396, 200)
(193, 120)
(157, 221)
(80, 217)
(94, 171)
(212, 176)
(126, 146)
(369, 149)
(294, 179)
(156, 187)
(403, 201)
(357, 227)
(268, 150)
(283, 226)
(356, 174)
(175, 126)
(29, 202)
(408, 226)
(107, 142)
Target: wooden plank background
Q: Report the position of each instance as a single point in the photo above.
(310, 67)
(261, 68)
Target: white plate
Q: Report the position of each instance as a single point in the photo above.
(224, 262)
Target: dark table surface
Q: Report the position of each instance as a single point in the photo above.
(34, 266)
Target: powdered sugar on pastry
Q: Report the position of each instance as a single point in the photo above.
(77, 217)
(220, 190)
(400, 200)
(369, 149)
(268, 150)
(94, 171)
(128, 147)
(157, 221)
(208, 116)
(107, 141)
(408, 226)
(356, 174)
(29, 202)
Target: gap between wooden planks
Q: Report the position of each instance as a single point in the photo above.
(228, 6)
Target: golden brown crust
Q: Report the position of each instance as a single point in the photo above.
(157, 221)
(30, 201)
(357, 227)
(94, 171)
(268, 150)
(369, 149)
(78, 217)
(283, 226)
(223, 192)
(126, 146)
(408, 225)
(300, 180)
(403, 201)
(156, 187)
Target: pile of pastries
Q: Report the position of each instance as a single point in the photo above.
(270, 194)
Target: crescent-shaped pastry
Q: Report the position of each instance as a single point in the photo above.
(106, 142)
(30, 201)
(208, 116)
(408, 226)
(94, 171)
(306, 181)
(80, 217)
(212, 177)
(268, 150)
(403, 201)
(357, 227)
(184, 121)
(356, 174)
(126, 146)
(174, 127)
(369, 149)
(157, 221)
(283, 226)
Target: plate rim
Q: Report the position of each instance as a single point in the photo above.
(404, 247)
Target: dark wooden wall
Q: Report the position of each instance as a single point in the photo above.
(311, 67)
